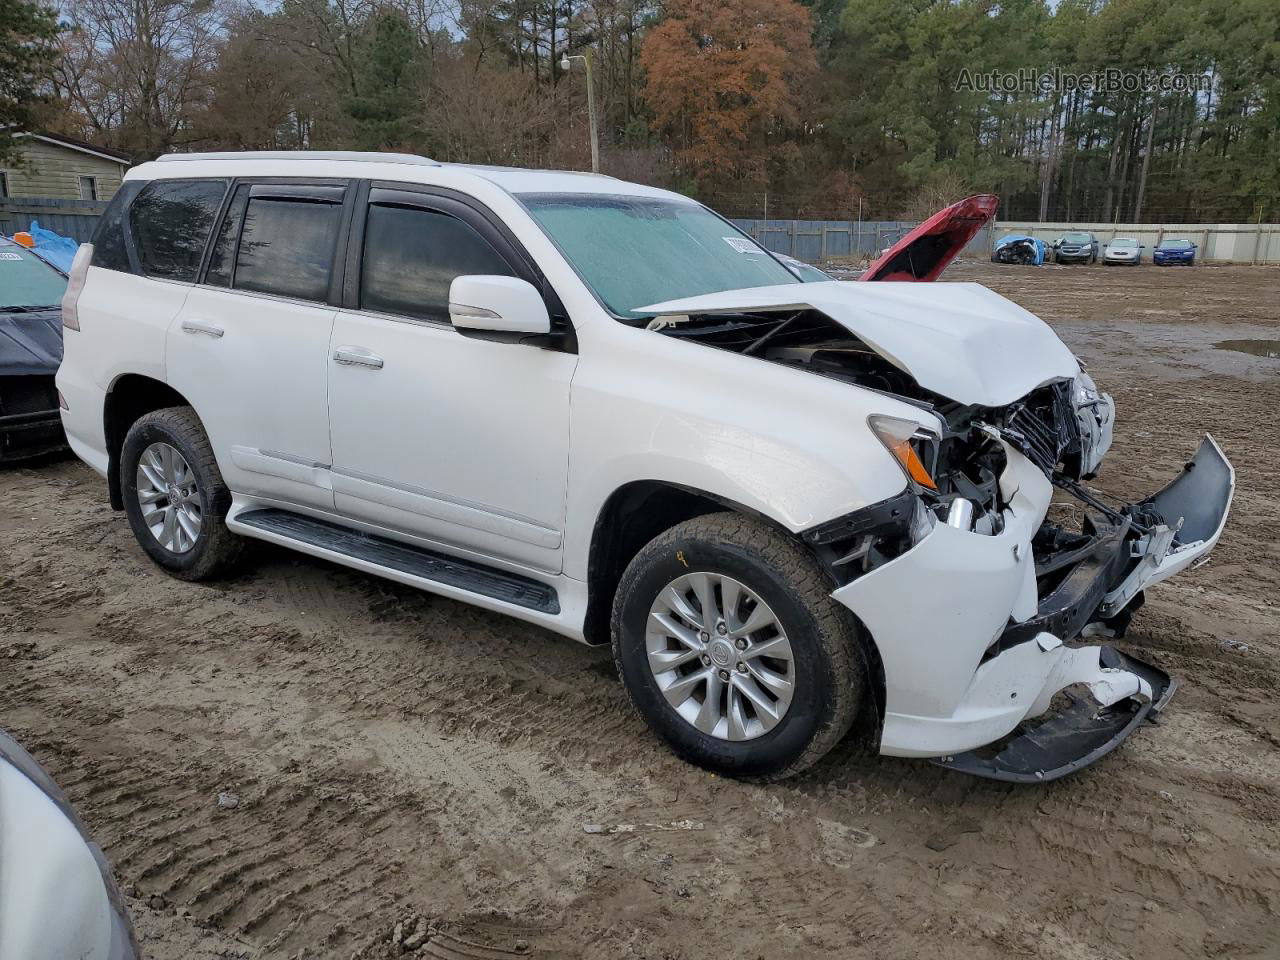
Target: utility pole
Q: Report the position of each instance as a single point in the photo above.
(565, 61)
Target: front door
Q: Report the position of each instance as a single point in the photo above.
(250, 347)
(459, 441)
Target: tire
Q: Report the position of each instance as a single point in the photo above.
(828, 666)
(214, 549)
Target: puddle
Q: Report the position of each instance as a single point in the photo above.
(1258, 348)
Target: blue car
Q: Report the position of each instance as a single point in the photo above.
(1019, 248)
(1173, 252)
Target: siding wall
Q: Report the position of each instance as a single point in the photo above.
(55, 171)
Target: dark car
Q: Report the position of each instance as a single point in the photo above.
(30, 351)
(1076, 248)
(1175, 251)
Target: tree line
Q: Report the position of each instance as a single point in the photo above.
(830, 108)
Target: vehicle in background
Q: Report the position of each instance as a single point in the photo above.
(30, 350)
(806, 272)
(796, 510)
(1020, 249)
(1174, 251)
(58, 898)
(1076, 248)
(1123, 250)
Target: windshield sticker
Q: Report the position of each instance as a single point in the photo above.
(10, 256)
(741, 244)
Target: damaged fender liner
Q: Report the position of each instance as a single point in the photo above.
(1073, 738)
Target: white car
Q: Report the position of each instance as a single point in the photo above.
(795, 509)
(1123, 250)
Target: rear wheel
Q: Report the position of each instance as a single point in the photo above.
(174, 496)
(733, 650)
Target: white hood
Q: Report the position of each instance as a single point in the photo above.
(960, 340)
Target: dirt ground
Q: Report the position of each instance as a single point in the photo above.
(410, 768)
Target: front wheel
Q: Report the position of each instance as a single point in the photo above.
(733, 651)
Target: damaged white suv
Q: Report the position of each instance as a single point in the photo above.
(795, 509)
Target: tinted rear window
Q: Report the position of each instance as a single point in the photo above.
(170, 222)
(287, 247)
(411, 257)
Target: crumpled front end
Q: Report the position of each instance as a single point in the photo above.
(978, 617)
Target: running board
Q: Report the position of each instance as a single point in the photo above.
(404, 559)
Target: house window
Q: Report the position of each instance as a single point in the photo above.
(4, 184)
(88, 188)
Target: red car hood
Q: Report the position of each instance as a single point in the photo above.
(925, 252)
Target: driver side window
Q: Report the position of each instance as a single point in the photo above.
(411, 255)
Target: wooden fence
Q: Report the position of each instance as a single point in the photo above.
(71, 218)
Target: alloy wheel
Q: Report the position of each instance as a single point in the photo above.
(169, 497)
(720, 656)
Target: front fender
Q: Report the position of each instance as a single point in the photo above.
(791, 446)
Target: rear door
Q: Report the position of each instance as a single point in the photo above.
(461, 441)
(249, 348)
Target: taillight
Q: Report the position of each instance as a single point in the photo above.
(75, 284)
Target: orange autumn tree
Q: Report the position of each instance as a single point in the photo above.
(725, 80)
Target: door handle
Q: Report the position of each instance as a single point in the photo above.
(357, 357)
(202, 326)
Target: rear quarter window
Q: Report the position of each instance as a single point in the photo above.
(108, 241)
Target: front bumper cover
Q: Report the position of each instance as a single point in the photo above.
(972, 654)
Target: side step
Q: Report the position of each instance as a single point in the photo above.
(404, 558)
(1045, 749)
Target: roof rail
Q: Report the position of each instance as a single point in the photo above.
(369, 156)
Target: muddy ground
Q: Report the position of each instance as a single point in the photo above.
(400, 759)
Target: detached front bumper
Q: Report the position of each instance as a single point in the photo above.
(973, 653)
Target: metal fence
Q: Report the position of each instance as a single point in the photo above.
(815, 241)
(71, 218)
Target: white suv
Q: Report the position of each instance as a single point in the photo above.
(795, 509)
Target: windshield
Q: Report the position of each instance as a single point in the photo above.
(26, 280)
(1076, 238)
(1124, 242)
(634, 251)
(1178, 244)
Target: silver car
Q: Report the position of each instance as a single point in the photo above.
(1123, 250)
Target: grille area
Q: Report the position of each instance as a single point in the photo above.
(1044, 426)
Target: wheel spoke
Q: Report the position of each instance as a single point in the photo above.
(664, 660)
(737, 715)
(677, 603)
(680, 691)
(676, 631)
(153, 516)
(765, 708)
(705, 588)
(167, 531)
(779, 648)
(709, 713)
(730, 598)
(152, 474)
(759, 618)
(775, 683)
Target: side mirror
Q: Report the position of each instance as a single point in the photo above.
(497, 305)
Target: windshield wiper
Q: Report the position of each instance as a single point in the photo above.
(27, 308)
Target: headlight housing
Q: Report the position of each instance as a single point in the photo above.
(1085, 391)
(914, 447)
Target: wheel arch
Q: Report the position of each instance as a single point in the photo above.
(130, 397)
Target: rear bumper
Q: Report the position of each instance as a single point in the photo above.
(971, 651)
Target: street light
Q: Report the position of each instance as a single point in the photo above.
(565, 63)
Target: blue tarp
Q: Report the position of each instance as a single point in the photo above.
(53, 248)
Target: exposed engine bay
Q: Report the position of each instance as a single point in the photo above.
(1063, 427)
